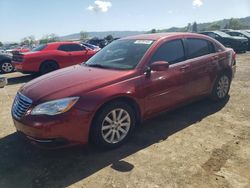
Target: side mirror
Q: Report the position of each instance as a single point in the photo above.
(159, 66)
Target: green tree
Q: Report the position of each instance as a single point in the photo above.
(153, 31)
(83, 35)
(195, 27)
(235, 24)
(1, 44)
(49, 38)
(189, 27)
(214, 27)
(30, 40)
(109, 37)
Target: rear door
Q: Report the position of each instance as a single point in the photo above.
(167, 88)
(203, 60)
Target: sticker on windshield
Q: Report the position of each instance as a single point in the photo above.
(143, 42)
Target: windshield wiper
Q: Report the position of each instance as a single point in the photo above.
(96, 65)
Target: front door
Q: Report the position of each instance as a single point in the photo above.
(167, 88)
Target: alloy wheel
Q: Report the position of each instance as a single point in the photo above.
(116, 125)
(223, 86)
(7, 67)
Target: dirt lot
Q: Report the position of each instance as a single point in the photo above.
(204, 144)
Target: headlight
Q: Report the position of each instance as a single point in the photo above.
(54, 107)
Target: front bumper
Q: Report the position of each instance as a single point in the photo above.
(71, 128)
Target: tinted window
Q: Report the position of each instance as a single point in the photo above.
(213, 35)
(39, 48)
(120, 54)
(70, 47)
(197, 48)
(172, 52)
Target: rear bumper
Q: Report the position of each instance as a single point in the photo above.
(25, 67)
(71, 128)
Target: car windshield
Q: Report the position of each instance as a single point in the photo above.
(222, 34)
(39, 48)
(245, 33)
(121, 54)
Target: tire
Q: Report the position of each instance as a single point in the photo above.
(221, 87)
(48, 66)
(6, 67)
(107, 131)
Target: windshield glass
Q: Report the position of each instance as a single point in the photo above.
(120, 54)
(222, 34)
(245, 33)
(39, 48)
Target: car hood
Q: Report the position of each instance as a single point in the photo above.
(72, 81)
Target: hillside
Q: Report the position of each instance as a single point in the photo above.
(102, 34)
(204, 26)
(201, 26)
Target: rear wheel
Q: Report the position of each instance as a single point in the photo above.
(221, 87)
(6, 67)
(48, 66)
(113, 125)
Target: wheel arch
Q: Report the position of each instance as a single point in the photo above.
(48, 60)
(129, 100)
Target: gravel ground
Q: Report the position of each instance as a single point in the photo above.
(201, 145)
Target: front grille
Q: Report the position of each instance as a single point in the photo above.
(21, 105)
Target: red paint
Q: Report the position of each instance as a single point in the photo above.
(161, 91)
(32, 61)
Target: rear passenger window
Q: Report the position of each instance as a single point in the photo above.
(197, 48)
(75, 47)
(172, 52)
(71, 47)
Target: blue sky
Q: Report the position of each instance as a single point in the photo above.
(21, 18)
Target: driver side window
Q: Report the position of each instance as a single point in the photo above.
(171, 52)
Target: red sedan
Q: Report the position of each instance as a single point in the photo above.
(49, 57)
(130, 80)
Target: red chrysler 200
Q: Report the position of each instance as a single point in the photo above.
(52, 56)
(130, 80)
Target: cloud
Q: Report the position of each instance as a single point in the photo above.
(197, 3)
(100, 6)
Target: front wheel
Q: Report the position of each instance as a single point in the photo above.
(221, 87)
(113, 125)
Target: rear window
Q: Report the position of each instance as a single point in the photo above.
(70, 47)
(39, 48)
(198, 47)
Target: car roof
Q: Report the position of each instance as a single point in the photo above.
(160, 36)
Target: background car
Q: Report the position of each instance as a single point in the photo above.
(240, 34)
(130, 80)
(98, 42)
(239, 44)
(93, 47)
(49, 57)
(5, 63)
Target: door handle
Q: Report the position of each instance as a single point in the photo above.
(215, 57)
(184, 68)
